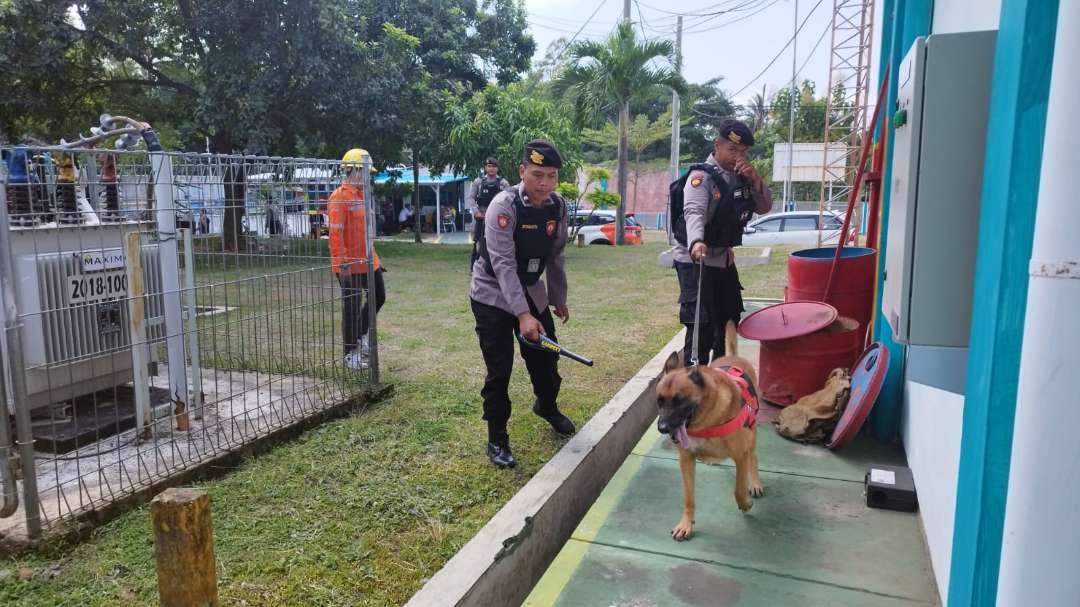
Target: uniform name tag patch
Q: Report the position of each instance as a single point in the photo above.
(534, 265)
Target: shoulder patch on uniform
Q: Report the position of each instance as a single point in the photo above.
(696, 181)
(550, 228)
(504, 221)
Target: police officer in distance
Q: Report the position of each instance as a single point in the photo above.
(711, 230)
(484, 189)
(524, 239)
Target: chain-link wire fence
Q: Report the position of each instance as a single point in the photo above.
(163, 309)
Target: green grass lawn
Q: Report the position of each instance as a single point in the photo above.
(363, 509)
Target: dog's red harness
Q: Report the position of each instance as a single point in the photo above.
(747, 416)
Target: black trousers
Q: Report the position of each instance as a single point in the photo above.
(478, 233)
(721, 301)
(354, 306)
(495, 328)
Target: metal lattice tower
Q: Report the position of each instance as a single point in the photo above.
(848, 100)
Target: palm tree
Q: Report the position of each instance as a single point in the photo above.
(609, 74)
(759, 110)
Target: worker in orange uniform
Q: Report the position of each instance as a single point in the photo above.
(348, 259)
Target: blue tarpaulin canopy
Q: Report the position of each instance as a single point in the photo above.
(435, 182)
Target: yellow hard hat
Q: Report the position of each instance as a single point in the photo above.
(355, 157)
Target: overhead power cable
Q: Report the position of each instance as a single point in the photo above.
(778, 54)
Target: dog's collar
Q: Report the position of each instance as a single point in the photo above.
(745, 418)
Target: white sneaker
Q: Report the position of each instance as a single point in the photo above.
(354, 361)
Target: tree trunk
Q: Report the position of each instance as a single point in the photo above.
(416, 192)
(620, 210)
(232, 232)
(637, 176)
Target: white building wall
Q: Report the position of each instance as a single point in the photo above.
(1040, 548)
(965, 16)
(931, 427)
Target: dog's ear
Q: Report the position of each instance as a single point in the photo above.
(673, 362)
(697, 377)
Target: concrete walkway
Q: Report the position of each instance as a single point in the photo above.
(809, 541)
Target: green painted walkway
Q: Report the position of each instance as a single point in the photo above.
(809, 541)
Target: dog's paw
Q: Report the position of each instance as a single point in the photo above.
(745, 503)
(682, 531)
(757, 490)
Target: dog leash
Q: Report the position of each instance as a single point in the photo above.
(697, 314)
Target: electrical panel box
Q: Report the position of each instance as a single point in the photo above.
(939, 144)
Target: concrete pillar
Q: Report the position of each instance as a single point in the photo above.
(1041, 541)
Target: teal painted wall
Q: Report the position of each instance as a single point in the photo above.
(907, 20)
(1019, 93)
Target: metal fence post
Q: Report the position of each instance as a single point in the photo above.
(165, 206)
(373, 334)
(17, 370)
(140, 349)
(192, 325)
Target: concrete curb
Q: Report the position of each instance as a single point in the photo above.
(665, 258)
(505, 559)
(757, 260)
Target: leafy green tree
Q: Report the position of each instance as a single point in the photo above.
(809, 127)
(643, 134)
(499, 121)
(603, 200)
(613, 73)
(281, 77)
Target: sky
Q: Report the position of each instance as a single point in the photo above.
(736, 46)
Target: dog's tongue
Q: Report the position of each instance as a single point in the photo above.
(681, 437)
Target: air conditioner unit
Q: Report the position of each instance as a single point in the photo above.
(73, 303)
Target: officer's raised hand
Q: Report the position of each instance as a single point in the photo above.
(562, 312)
(530, 328)
(747, 170)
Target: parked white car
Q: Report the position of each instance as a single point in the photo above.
(598, 227)
(793, 228)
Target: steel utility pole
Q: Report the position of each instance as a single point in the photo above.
(624, 126)
(676, 118)
(788, 194)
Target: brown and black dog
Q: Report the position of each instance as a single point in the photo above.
(697, 399)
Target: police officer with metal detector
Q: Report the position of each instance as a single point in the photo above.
(484, 190)
(524, 239)
(711, 205)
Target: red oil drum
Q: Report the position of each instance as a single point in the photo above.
(801, 343)
(853, 288)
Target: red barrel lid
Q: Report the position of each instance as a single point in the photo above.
(787, 320)
(866, 380)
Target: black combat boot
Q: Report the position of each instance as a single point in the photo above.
(500, 455)
(559, 422)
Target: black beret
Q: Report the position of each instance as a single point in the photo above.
(735, 131)
(542, 153)
(491, 160)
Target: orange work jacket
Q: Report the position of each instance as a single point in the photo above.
(347, 229)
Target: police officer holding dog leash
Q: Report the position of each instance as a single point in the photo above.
(718, 198)
(525, 236)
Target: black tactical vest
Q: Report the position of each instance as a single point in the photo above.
(489, 188)
(730, 208)
(534, 237)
